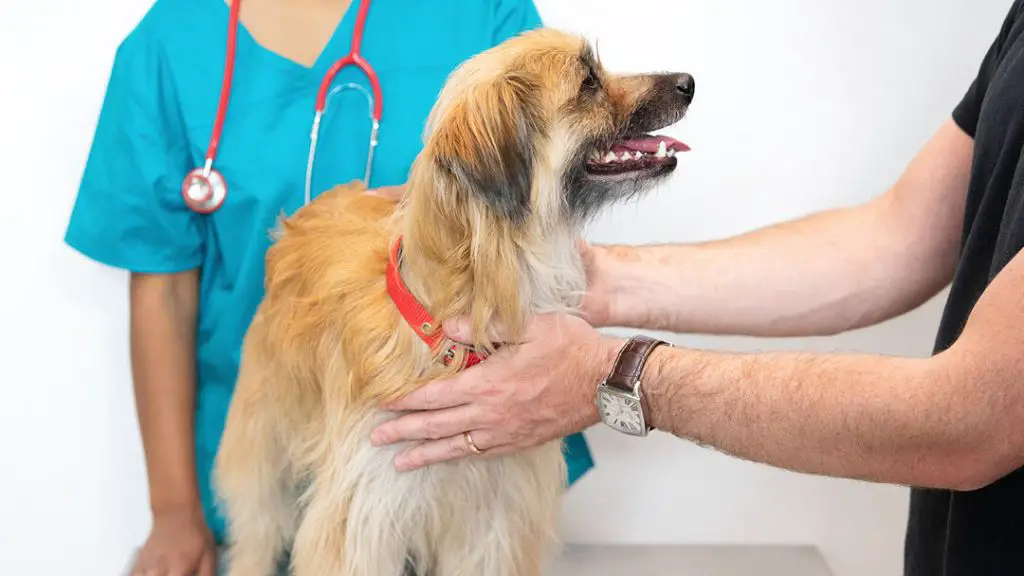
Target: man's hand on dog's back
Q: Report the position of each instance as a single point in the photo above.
(393, 193)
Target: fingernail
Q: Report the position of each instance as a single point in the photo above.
(457, 329)
(377, 438)
(401, 463)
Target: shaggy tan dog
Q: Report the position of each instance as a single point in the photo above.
(526, 143)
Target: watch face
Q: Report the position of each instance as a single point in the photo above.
(621, 412)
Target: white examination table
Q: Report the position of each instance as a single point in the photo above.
(599, 560)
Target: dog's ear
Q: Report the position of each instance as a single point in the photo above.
(486, 143)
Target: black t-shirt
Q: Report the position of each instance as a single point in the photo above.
(981, 532)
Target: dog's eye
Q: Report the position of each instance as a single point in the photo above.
(590, 83)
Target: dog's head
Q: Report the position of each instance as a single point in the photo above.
(527, 141)
(535, 128)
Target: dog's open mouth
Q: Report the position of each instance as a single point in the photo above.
(636, 155)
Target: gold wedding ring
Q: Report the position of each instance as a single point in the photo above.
(469, 442)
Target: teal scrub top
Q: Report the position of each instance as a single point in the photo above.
(155, 124)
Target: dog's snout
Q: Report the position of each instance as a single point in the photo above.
(661, 99)
(685, 86)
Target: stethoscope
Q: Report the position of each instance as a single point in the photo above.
(204, 189)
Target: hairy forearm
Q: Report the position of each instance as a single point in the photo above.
(163, 322)
(893, 420)
(823, 274)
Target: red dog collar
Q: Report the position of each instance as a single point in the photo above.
(417, 316)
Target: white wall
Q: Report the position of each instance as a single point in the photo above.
(801, 105)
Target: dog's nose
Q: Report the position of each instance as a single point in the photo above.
(685, 86)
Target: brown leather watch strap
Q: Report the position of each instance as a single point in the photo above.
(629, 364)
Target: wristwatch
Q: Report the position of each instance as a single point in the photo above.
(620, 401)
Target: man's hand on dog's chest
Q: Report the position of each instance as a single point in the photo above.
(522, 396)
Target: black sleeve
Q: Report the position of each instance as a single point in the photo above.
(966, 112)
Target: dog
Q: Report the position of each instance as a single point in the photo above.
(525, 144)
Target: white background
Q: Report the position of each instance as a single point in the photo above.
(801, 105)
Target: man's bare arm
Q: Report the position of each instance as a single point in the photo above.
(826, 273)
(955, 420)
(163, 324)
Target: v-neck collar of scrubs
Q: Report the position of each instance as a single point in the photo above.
(329, 54)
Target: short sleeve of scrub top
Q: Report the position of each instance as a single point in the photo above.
(512, 17)
(129, 213)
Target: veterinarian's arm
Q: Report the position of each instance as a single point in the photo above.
(163, 324)
(955, 420)
(826, 273)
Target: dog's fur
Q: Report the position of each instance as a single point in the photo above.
(494, 205)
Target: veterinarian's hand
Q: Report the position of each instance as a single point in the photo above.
(596, 304)
(393, 193)
(180, 544)
(524, 395)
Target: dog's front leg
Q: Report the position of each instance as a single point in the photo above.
(319, 547)
(253, 476)
(503, 520)
(346, 531)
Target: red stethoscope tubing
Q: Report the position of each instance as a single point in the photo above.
(354, 57)
(225, 88)
(211, 183)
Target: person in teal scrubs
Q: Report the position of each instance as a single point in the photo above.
(154, 127)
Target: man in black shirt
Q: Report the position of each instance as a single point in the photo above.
(951, 424)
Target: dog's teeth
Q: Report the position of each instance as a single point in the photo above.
(610, 157)
(626, 157)
(637, 154)
(670, 153)
(595, 155)
(661, 150)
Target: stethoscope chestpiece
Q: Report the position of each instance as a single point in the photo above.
(204, 190)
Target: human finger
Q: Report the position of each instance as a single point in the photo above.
(135, 566)
(155, 569)
(183, 566)
(435, 395)
(447, 449)
(147, 566)
(389, 192)
(461, 330)
(208, 564)
(426, 425)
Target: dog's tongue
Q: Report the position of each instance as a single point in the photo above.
(649, 145)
